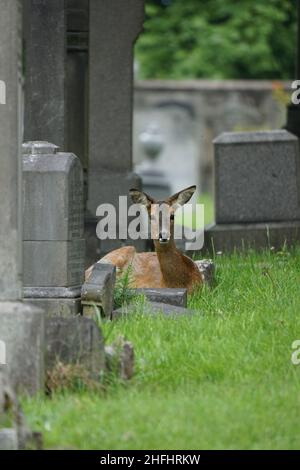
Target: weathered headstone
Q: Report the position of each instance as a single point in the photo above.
(257, 177)
(54, 246)
(98, 290)
(114, 27)
(75, 340)
(45, 65)
(257, 190)
(21, 325)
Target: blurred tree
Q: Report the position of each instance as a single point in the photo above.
(218, 39)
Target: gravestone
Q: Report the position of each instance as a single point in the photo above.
(45, 65)
(21, 325)
(257, 190)
(53, 229)
(75, 340)
(257, 177)
(114, 27)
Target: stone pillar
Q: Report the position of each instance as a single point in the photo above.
(54, 246)
(45, 70)
(114, 28)
(21, 326)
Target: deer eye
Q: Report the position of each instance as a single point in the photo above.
(172, 216)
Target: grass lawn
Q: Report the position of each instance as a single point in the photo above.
(189, 218)
(220, 379)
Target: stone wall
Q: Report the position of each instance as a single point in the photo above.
(192, 113)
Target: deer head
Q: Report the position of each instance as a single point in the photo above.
(162, 213)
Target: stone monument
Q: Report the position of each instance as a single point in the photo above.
(257, 190)
(21, 325)
(53, 231)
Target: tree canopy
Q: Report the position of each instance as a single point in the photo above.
(218, 39)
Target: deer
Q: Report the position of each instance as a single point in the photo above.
(166, 267)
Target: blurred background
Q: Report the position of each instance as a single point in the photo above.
(203, 67)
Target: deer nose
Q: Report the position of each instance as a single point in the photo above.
(164, 236)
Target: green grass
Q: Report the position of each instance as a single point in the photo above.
(220, 379)
(188, 219)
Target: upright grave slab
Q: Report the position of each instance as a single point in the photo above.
(54, 246)
(257, 190)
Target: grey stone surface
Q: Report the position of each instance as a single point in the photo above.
(114, 28)
(45, 86)
(53, 263)
(191, 113)
(53, 193)
(52, 292)
(106, 186)
(120, 358)
(207, 269)
(77, 78)
(21, 326)
(152, 308)
(257, 177)
(98, 290)
(10, 74)
(176, 297)
(22, 330)
(59, 307)
(54, 248)
(227, 237)
(8, 439)
(76, 340)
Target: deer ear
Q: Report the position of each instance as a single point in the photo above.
(181, 198)
(138, 197)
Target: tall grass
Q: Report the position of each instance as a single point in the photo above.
(222, 378)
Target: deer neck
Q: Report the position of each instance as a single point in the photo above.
(177, 269)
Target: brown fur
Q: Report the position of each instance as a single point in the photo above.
(166, 267)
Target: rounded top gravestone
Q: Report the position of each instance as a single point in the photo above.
(53, 193)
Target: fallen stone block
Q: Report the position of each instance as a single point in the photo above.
(176, 297)
(98, 290)
(75, 340)
(152, 308)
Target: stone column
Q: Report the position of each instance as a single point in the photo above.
(21, 326)
(114, 28)
(45, 70)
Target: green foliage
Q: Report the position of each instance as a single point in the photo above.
(220, 379)
(122, 292)
(218, 39)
